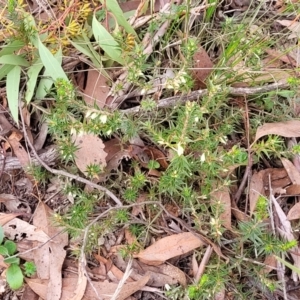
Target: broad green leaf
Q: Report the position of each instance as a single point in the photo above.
(10, 48)
(12, 59)
(14, 276)
(3, 251)
(107, 42)
(12, 90)
(33, 73)
(46, 83)
(12, 260)
(81, 47)
(11, 247)
(4, 70)
(114, 7)
(1, 235)
(53, 67)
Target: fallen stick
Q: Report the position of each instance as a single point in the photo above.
(193, 96)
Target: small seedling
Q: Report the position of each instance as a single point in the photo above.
(14, 273)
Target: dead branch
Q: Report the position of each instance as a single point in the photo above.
(193, 96)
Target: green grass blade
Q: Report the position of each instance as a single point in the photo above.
(33, 73)
(12, 59)
(107, 42)
(287, 264)
(46, 83)
(12, 90)
(4, 70)
(52, 66)
(114, 7)
(11, 47)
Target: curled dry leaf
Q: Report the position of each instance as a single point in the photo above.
(168, 247)
(292, 26)
(111, 267)
(281, 56)
(4, 218)
(293, 190)
(291, 170)
(20, 152)
(159, 275)
(18, 229)
(286, 129)
(294, 212)
(90, 151)
(223, 196)
(285, 230)
(50, 257)
(270, 263)
(96, 89)
(202, 68)
(105, 289)
(13, 204)
(256, 189)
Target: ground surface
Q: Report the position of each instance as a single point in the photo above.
(149, 149)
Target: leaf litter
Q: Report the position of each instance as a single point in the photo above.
(153, 266)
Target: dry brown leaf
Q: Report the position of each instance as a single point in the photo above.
(223, 196)
(40, 140)
(292, 26)
(168, 247)
(271, 75)
(18, 229)
(96, 89)
(293, 190)
(29, 294)
(241, 216)
(286, 129)
(137, 209)
(159, 275)
(5, 125)
(220, 295)
(278, 55)
(81, 280)
(105, 289)
(256, 189)
(111, 267)
(49, 258)
(39, 286)
(16, 135)
(285, 230)
(279, 179)
(20, 152)
(294, 212)
(270, 263)
(90, 152)
(291, 171)
(115, 153)
(129, 237)
(202, 68)
(4, 218)
(173, 272)
(157, 155)
(13, 204)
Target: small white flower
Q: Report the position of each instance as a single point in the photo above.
(202, 158)
(94, 115)
(180, 149)
(103, 119)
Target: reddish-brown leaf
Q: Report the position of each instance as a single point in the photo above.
(168, 247)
